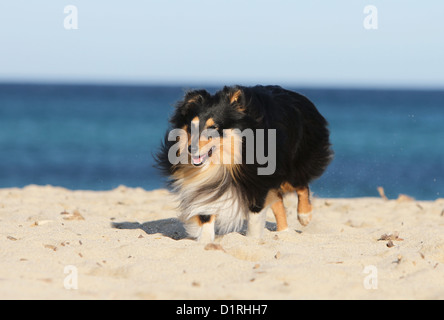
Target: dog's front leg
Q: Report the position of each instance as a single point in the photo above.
(256, 223)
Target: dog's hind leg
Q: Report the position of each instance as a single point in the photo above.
(280, 214)
(277, 206)
(256, 220)
(201, 228)
(304, 205)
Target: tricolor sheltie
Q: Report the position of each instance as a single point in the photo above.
(232, 155)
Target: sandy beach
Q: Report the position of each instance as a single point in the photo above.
(128, 244)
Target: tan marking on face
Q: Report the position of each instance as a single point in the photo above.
(202, 145)
(209, 123)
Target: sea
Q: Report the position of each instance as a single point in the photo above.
(97, 137)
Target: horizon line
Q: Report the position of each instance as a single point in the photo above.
(217, 84)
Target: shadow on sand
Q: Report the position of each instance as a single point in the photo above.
(171, 227)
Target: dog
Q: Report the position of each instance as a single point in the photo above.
(214, 157)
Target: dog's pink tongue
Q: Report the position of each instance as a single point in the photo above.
(198, 160)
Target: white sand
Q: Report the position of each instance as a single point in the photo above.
(145, 255)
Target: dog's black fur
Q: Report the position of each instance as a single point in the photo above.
(303, 148)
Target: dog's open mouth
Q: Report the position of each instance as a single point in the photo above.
(201, 159)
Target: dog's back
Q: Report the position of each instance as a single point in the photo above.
(303, 144)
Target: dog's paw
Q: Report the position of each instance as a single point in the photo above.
(207, 234)
(256, 224)
(304, 218)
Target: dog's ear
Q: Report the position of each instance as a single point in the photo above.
(192, 98)
(237, 99)
(196, 96)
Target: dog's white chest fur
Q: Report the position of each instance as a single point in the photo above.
(196, 199)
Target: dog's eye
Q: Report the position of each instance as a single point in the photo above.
(209, 132)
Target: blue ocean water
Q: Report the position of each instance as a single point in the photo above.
(99, 137)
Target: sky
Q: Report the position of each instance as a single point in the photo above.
(287, 42)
